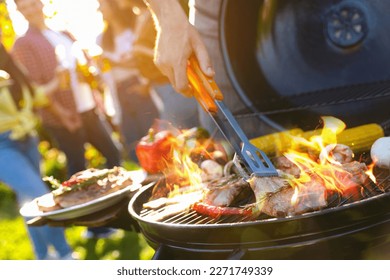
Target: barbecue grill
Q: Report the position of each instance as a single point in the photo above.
(356, 230)
(292, 62)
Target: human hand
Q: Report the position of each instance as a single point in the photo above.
(177, 40)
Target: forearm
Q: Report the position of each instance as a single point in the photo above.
(167, 12)
(177, 40)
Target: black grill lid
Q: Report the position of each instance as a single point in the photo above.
(297, 60)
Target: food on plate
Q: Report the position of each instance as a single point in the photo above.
(83, 187)
(46, 203)
(380, 152)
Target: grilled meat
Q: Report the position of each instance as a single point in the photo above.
(85, 186)
(281, 204)
(357, 170)
(337, 152)
(218, 211)
(313, 195)
(285, 165)
(223, 191)
(263, 186)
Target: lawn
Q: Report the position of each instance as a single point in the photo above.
(14, 242)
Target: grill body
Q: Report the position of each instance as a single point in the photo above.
(358, 230)
(287, 63)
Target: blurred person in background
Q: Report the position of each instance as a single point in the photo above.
(19, 155)
(136, 105)
(50, 55)
(179, 110)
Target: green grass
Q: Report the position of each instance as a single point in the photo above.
(14, 241)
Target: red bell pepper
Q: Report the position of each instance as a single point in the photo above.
(155, 150)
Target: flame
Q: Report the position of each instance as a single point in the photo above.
(182, 170)
(370, 172)
(318, 173)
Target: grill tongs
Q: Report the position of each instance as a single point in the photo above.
(255, 162)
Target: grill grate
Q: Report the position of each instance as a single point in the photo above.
(328, 97)
(191, 217)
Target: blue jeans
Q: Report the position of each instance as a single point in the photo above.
(19, 169)
(95, 131)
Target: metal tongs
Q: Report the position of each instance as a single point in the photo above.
(255, 162)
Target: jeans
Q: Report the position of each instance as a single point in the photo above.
(95, 131)
(19, 169)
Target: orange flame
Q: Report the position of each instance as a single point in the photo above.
(370, 172)
(316, 169)
(182, 171)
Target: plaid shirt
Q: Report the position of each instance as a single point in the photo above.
(38, 56)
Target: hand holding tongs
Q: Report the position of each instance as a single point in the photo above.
(210, 98)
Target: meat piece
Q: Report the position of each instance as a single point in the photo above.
(262, 186)
(211, 170)
(337, 152)
(222, 192)
(351, 180)
(92, 184)
(357, 171)
(284, 164)
(312, 196)
(217, 211)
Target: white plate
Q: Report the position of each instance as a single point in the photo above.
(30, 210)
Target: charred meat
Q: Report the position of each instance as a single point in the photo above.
(83, 187)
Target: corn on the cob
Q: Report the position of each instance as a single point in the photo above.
(276, 143)
(359, 139)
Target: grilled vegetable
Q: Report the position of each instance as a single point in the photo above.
(276, 143)
(380, 152)
(359, 138)
(154, 151)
